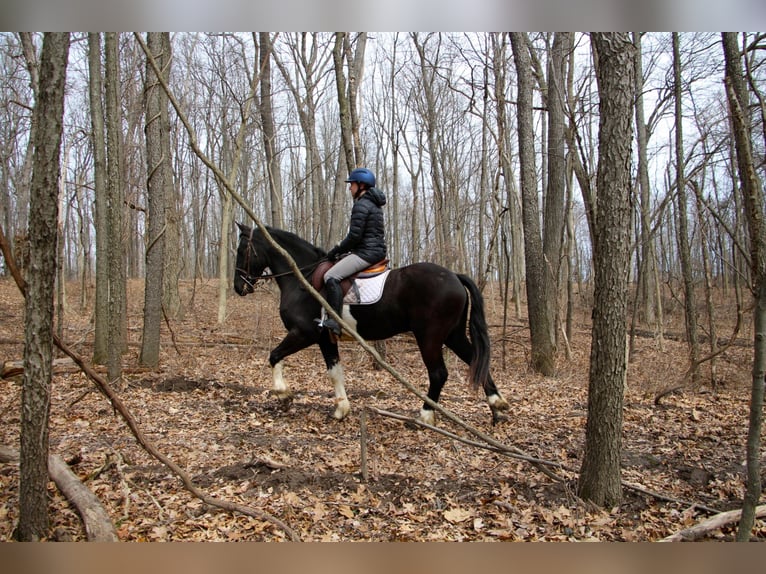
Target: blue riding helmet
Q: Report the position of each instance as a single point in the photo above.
(362, 175)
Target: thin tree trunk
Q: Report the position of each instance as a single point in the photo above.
(38, 326)
(752, 195)
(555, 196)
(542, 348)
(646, 279)
(684, 252)
(156, 158)
(101, 308)
(114, 205)
(273, 169)
(171, 299)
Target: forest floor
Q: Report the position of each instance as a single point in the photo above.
(208, 407)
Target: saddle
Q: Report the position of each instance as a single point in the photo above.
(317, 278)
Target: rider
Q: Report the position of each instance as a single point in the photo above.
(365, 243)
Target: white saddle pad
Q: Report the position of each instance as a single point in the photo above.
(367, 290)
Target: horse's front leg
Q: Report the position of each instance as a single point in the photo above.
(279, 388)
(337, 376)
(293, 342)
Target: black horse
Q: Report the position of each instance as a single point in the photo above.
(430, 301)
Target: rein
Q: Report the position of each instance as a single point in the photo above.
(251, 281)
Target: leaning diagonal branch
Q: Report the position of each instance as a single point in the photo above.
(125, 413)
(314, 293)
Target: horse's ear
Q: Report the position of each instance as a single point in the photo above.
(242, 228)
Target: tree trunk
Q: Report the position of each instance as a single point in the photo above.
(555, 195)
(684, 252)
(171, 299)
(273, 169)
(646, 279)
(752, 195)
(38, 329)
(542, 348)
(114, 206)
(600, 473)
(101, 309)
(506, 168)
(156, 159)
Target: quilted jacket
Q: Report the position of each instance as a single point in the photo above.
(367, 233)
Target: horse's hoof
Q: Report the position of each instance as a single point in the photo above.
(285, 403)
(285, 400)
(412, 425)
(342, 409)
(498, 403)
(498, 418)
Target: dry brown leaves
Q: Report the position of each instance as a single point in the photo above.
(208, 407)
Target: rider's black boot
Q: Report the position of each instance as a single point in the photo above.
(334, 296)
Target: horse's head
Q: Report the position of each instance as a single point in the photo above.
(250, 260)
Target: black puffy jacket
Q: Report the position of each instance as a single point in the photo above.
(367, 233)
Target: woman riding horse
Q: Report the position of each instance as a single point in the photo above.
(364, 245)
(438, 306)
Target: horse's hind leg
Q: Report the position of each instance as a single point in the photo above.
(437, 376)
(337, 376)
(461, 346)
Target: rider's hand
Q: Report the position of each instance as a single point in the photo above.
(332, 255)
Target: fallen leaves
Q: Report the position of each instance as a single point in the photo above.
(209, 409)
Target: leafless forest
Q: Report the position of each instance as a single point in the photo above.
(603, 190)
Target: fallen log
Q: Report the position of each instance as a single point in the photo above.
(98, 524)
(60, 365)
(713, 523)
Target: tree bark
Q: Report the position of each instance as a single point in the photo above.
(684, 252)
(555, 195)
(646, 280)
(101, 310)
(156, 159)
(96, 520)
(171, 298)
(38, 331)
(114, 204)
(752, 195)
(600, 472)
(542, 348)
(266, 110)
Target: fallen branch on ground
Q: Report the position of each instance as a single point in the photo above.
(95, 518)
(713, 523)
(145, 443)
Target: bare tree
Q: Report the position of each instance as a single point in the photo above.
(117, 322)
(157, 160)
(690, 299)
(600, 479)
(647, 283)
(555, 195)
(752, 194)
(273, 169)
(38, 328)
(101, 309)
(543, 349)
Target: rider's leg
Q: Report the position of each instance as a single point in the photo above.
(333, 293)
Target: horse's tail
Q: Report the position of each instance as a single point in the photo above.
(477, 328)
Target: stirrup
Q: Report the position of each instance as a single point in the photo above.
(330, 324)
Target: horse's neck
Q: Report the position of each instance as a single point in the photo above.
(281, 268)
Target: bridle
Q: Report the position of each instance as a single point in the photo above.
(245, 273)
(251, 281)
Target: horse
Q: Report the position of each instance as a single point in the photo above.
(437, 305)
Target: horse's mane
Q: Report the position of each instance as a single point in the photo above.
(294, 243)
